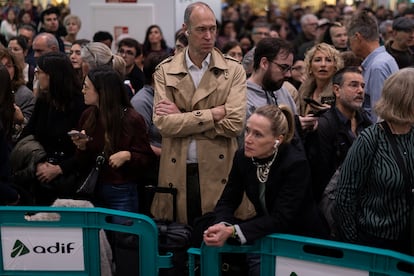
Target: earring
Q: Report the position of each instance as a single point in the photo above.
(277, 142)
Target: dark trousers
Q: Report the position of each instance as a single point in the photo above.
(193, 193)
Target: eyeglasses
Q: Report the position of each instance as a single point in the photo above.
(284, 68)
(126, 52)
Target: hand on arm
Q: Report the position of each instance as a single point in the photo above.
(46, 172)
(165, 107)
(217, 234)
(218, 112)
(116, 160)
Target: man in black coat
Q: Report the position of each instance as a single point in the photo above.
(337, 128)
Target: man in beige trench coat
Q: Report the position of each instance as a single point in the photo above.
(199, 108)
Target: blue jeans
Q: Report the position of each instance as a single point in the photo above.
(122, 197)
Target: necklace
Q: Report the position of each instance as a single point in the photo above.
(262, 170)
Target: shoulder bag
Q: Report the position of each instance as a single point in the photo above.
(88, 186)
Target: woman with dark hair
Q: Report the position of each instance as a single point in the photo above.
(181, 41)
(23, 96)
(246, 43)
(7, 117)
(233, 49)
(57, 110)
(19, 47)
(155, 42)
(8, 26)
(75, 56)
(116, 131)
(226, 33)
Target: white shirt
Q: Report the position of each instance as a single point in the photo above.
(196, 74)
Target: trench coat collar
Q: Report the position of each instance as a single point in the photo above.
(210, 81)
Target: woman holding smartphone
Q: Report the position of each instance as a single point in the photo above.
(321, 62)
(115, 130)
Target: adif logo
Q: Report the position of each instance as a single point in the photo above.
(19, 249)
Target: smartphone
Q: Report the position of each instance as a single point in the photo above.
(312, 101)
(79, 134)
(317, 113)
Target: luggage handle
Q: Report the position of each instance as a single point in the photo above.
(166, 190)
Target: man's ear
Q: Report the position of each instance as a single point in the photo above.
(336, 88)
(185, 29)
(264, 63)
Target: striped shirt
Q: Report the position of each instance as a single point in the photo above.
(371, 193)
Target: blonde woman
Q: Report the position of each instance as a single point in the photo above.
(72, 24)
(322, 61)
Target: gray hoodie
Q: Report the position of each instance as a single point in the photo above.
(257, 97)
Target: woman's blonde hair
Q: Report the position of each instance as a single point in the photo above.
(309, 85)
(119, 65)
(281, 118)
(70, 17)
(328, 50)
(397, 98)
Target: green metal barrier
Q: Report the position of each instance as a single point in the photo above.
(288, 255)
(70, 246)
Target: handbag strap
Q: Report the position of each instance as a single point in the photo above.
(400, 161)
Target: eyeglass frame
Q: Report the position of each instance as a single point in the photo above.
(282, 67)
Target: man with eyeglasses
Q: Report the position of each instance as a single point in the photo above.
(337, 127)
(129, 49)
(199, 109)
(273, 59)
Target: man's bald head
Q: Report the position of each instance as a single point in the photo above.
(45, 43)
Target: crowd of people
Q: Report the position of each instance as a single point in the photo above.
(249, 119)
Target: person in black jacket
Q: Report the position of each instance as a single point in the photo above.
(275, 176)
(8, 195)
(337, 128)
(57, 111)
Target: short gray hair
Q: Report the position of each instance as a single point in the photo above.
(96, 54)
(51, 40)
(364, 24)
(306, 17)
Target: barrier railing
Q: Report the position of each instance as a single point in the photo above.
(70, 245)
(283, 254)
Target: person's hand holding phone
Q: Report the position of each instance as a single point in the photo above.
(79, 138)
(309, 122)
